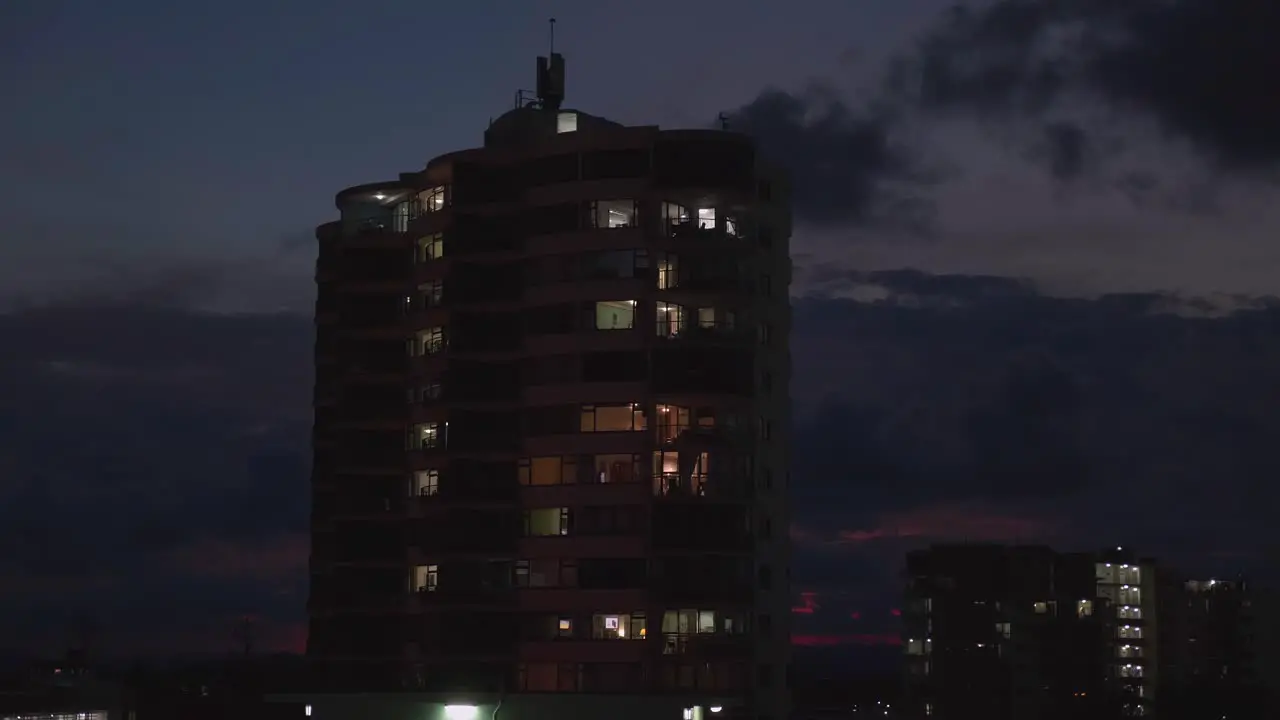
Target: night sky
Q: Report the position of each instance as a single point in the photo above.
(1037, 266)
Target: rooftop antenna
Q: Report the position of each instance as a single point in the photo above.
(724, 121)
(551, 75)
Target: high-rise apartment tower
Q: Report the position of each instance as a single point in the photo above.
(551, 419)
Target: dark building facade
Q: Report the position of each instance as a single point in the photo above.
(551, 417)
(1026, 632)
(1215, 651)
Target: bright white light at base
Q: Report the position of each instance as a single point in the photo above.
(307, 711)
(716, 708)
(461, 712)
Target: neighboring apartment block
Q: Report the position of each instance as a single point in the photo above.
(1013, 633)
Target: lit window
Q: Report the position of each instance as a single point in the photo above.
(567, 122)
(668, 272)
(426, 482)
(731, 227)
(1084, 608)
(432, 199)
(550, 470)
(670, 319)
(430, 248)
(1041, 608)
(613, 418)
(671, 421)
(426, 578)
(706, 218)
(429, 341)
(613, 214)
(673, 214)
(400, 216)
(547, 522)
(615, 314)
(610, 626)
(1129, 632)
(616, 468)
(564, 627)
(425, 436)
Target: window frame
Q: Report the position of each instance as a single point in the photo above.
(591, 411)
(602, 208)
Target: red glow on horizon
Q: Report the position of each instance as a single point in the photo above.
(895, 612)
(808, 604)
(834, 640)
(855, 615)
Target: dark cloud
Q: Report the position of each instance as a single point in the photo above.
(1200, 69)
(1065, 148)
(130, 434)
(1018, 399)
(1071, 80)
(841, 159)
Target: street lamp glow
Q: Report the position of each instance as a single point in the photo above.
(461, 712)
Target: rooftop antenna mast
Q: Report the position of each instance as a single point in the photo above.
(724, 121)
(551, 74)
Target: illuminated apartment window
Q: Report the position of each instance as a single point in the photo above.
(1129, 671)
(549, 470)
(567, 122)
(400, 216)
(615, 314)
(1129, 651)
(564, 627)
(547, 522)
(1129, 575)
(1084, 608)
(426, 482)
(432, 199)
(426, 578)
(670, 318)
(731, 227)
(1129, 632)
(1130, 595)
(673, 214)
(618, 468)
(430, 248)
(613, 418)
(620, 626)
(1128, 612)
(425, 436)
(668, 480)
(706, 218)
(428, 342)
(668, 271)
(671, 420)
(1041, 608)
(607, 214)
